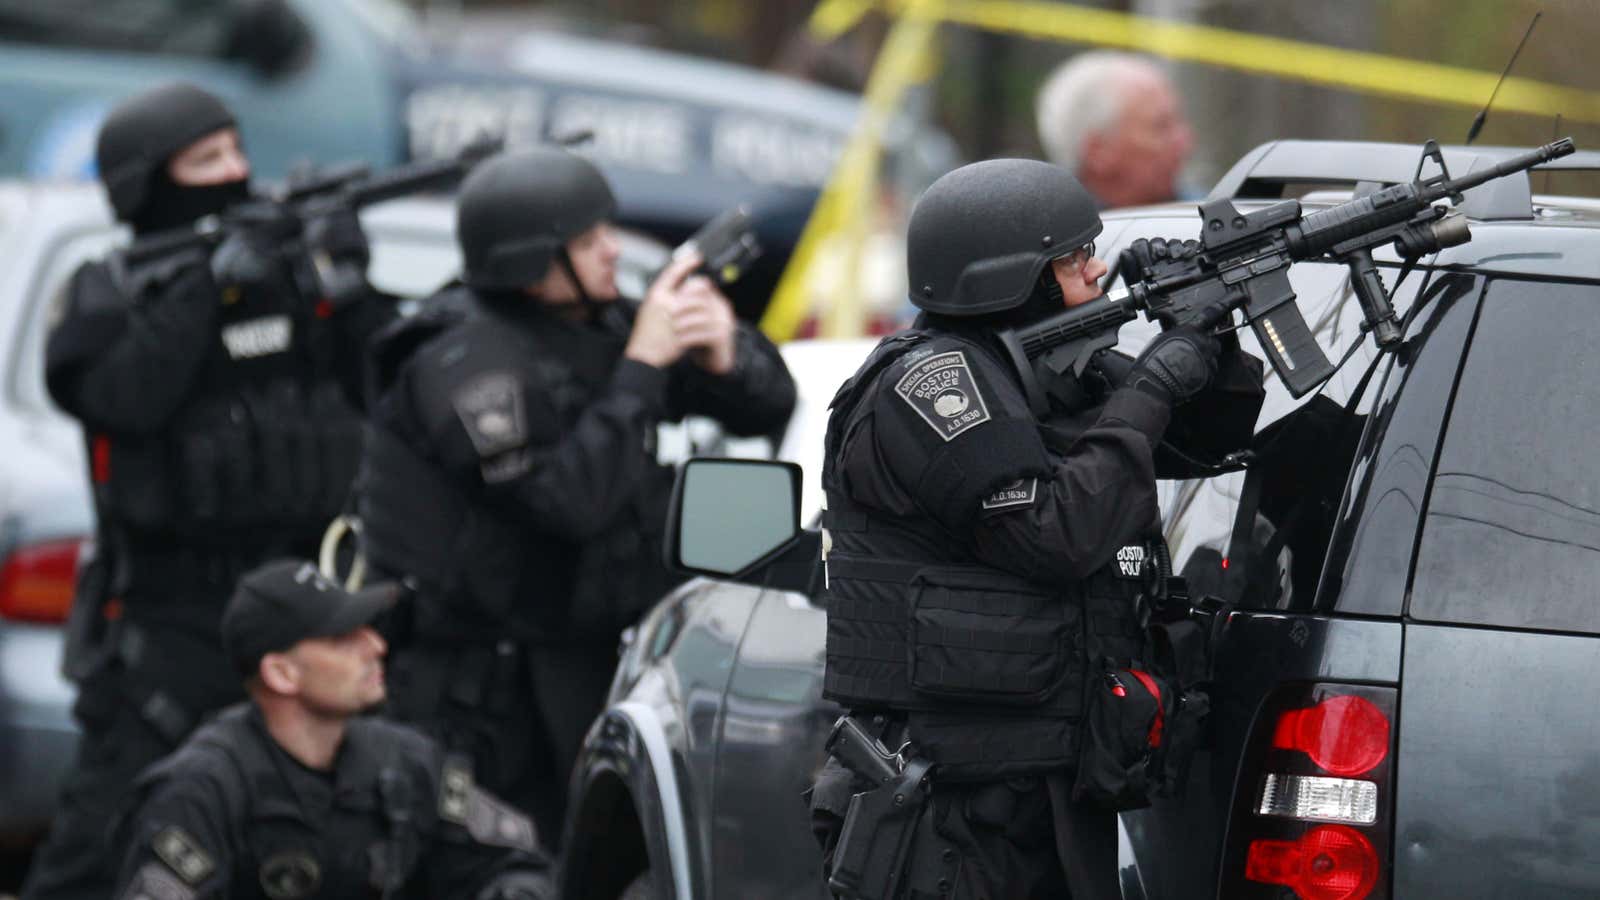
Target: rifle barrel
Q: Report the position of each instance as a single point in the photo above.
(1552, 150)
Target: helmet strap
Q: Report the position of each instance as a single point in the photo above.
(577, 285)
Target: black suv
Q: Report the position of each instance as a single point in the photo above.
(1402, 704)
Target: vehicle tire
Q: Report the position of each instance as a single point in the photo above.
(639, 889)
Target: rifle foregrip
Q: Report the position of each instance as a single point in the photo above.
(1293, 351)
(1319, 232)
(1109, 312)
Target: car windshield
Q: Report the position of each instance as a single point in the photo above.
(1516, 471)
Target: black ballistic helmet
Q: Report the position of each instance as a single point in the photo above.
(981, 235)
(143, 132)
(518, 209)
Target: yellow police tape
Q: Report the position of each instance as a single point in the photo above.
(839, 213)
(1373, 73)
(842, 207)
(832, 18)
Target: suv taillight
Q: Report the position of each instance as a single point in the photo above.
(1315, 796)
(37, 581)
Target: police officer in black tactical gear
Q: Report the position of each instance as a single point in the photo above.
(295, 795)
(218, 396)
(991, 576)
(510, 474)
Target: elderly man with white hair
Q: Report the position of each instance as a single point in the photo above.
(1114, 120)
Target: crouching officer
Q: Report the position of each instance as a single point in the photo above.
(510, 473)
(295, 795)
(218, 402)
(990, 575)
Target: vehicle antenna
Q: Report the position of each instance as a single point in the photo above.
(1477, 123)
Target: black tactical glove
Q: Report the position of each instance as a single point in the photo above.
(1177, 365)
(247, 264)
(337, 233)
(1146, 260)
(339, 254)
(1160, 258)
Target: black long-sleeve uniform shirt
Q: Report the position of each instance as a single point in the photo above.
(232, 815)
(223, 429)
(542, 423)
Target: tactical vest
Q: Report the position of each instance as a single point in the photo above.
(480, 573)
(367, 844)
(262, 450)
(989, 669)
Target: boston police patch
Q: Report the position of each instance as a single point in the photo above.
(943, 392)
(492, 411)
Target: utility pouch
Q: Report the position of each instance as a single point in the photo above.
(1182, 648)
(979, 637)
(1123, 737)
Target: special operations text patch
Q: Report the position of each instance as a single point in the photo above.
(491, 410)
(1018, 493)
(943, 392)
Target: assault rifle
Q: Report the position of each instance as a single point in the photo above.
(1243, 263)
(308, 194)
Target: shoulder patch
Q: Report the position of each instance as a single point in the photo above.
(455, 786)
(490, 820)
(495, 823)
(290, 875)
(1021, 492)
(943, 392)
(183, 854)
(491, 409)
(155, 881)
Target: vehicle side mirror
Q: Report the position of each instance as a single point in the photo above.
(729, 516)
(267, 36)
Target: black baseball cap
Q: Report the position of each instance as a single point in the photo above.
(286, 601)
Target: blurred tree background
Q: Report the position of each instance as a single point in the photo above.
(986, 81)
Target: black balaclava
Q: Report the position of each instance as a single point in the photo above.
(171, 205)
(140, 137)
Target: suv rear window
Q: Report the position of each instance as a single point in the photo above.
(1511, 537)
